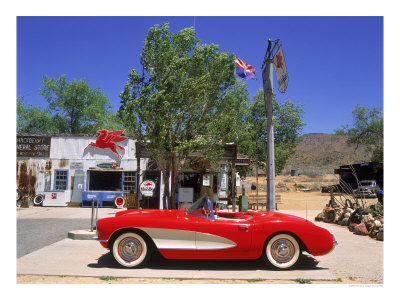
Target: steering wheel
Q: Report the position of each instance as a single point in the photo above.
(205, 212)
(245, 214)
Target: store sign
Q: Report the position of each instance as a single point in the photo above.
(33, 146)
(147, 188)
(223, 178)
(242, 161)
(76, 165)
(280, 70)
(107, 165)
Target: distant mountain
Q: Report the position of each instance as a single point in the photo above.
(321, 152)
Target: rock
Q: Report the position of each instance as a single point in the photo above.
(336, 219)
(320, 217)
(352, 226)
(361, 229)
(377, 224)
(344, 222)
(379, 236)
(369, 225)
(367, 219)
(373, 233)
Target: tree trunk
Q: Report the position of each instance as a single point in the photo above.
(165, 176)
(174, 180)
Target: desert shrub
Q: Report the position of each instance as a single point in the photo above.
(311, 173)
(315, 187)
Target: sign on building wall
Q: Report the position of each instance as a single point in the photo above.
(33, 146)
(76, 165)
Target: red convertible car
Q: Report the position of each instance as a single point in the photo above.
(199, 232)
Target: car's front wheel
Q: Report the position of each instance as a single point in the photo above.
(282, 251)
(130, 250)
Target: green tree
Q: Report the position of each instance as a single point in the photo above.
(33, 119)
(180, 104)
(367, 130)
(288, 125)
(75, 107)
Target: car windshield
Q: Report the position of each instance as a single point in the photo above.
(202, 208)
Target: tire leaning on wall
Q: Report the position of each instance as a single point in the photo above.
(38, 200)
(19, 195)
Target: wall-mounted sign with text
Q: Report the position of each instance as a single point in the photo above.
(33, 146)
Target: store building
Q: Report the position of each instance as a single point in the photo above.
(72, 170)
(66, 171)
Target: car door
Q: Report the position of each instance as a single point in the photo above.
(223, 238)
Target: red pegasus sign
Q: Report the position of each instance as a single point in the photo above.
(107, 140)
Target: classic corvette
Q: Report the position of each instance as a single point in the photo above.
(200, 232)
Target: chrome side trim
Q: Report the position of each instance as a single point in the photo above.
(184, 239)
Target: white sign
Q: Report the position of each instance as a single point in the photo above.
(147, 188)
(206, 180)
(280, 70)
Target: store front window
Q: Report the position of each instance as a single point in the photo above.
(105, 181)
(60, 180)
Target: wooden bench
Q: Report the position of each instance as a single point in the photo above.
(262, 199)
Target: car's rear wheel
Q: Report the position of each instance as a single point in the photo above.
(130, 250)
(282, 251)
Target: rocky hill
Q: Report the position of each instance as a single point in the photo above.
(322, 153)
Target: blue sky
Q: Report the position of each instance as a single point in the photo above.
(334, 63)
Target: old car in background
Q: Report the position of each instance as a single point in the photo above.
(370, 185)
(199, 232)
(362, 192)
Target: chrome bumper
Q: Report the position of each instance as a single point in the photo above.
(99, 240)
(335, 243)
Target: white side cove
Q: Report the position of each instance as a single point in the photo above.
(183, 239)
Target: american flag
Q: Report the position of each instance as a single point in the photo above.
(244, 70)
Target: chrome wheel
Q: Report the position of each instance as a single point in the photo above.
(130, 250)
(282, 251)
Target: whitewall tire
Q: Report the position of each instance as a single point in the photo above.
(130, 250)
(282, 251)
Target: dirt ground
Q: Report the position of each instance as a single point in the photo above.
(36, 279)
(301, 192)
(291, 200)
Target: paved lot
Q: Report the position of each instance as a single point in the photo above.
(89, 258)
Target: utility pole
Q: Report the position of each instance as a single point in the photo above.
(257, 158)
(268, 94)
